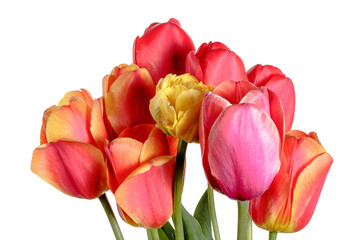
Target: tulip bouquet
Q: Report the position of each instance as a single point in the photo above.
(133, 140)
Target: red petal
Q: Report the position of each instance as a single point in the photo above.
(234, 91)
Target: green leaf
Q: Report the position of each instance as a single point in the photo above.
(202, 214)
(168, 230)
(192, 228)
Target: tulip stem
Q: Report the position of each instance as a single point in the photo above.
(178, 187)
(152, 234)
(272, 235)
(112, 219)
(244, 221)
(213, 212)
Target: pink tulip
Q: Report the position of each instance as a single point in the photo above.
(214, 63)
(289, 203)
(163, 49)
(241, 130)
(272, 78)
(72, 137)
(141, 167)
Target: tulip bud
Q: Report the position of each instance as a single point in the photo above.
(176, 105)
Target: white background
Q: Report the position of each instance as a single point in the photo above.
(48, 48)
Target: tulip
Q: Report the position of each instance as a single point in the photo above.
(70, 156)
(127, 91)
(214, 63)
(289, 203)
(241, 129)
(162, 49)
(141, 165)
(176, 105)
(273, 79)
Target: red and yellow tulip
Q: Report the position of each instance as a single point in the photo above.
(162, 49)
(141, 165)
(127, 91)
(241, 131)
(70, 156)
(289, 203)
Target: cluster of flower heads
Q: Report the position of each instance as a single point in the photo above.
(126, 140)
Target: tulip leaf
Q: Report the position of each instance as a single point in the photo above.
(162, 235)
(202, 215)
(168, 230)
(192, 228)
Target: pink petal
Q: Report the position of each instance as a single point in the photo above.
(75, 168)
(212, 107)
(244, 151)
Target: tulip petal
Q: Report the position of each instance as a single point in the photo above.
(97, 124)
(212, 107)
(46, 116)
(234, 91)
(192, 66)
(138, 132)
(83, 94)
(260, 75)
(307, 191)
(284, 89)
(244, 145)
(146, 196)
(163, 49)
(74, 168)
(122, 158)
(155, 145)
(127, 102)
(221, 65)
(70, 122)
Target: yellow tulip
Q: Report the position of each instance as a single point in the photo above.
(176, 105)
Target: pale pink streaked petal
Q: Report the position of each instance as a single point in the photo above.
(244, 151)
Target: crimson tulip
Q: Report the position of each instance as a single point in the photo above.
(127, 91)
(70, 156)
(141, 167)
(241, 129)
(214, 63)
(289, 203)
(273, 79)
(162, 49)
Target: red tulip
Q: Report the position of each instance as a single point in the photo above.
(214, 63)
(289, 203)
(272, 78)
(70, 156)
(163, 49)
(241, 129)
(141, 166)
(127, 92)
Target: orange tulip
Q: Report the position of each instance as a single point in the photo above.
(141, 165)
(127, 91)
(70, 156)
(289, 203)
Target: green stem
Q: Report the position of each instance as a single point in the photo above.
(110, 214)
(213, 212)
(152, 234)
(178, 186)
(272, 235)
(244, 221)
